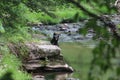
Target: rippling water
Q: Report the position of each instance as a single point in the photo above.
(68, 32)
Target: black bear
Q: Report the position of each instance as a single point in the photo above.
(55, 39)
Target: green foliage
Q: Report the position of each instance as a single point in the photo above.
(1, 27)
(109, 45)
(14, 15)
(9, 63)
(99, 7)
(15, 35)
(103, 53)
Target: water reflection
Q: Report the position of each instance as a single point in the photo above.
(54, 76)
(62, 76)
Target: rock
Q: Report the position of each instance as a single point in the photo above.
(60, 68)
(61, 76)
(89, 36)
(62, 27)
(34, 24)
(72, 79)
(37, 68)
(42, 51)
(38, 77)
(41, 57)
(35, 50)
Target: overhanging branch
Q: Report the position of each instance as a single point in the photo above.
(105, 20)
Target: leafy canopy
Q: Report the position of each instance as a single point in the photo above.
(105, 55)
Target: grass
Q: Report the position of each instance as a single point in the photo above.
(79, 57)
(61, 14)
(15, 35)
(11, 64)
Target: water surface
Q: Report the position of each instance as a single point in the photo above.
(77, 55)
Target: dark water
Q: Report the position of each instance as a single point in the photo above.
(53, 76)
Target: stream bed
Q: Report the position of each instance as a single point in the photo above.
(69, 32)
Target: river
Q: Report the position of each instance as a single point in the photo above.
(76, 55)
(76, 50)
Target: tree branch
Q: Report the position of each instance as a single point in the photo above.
(104, 19)
(83, 9)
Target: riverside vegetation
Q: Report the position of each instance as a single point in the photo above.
(16, 14)
(20, 34)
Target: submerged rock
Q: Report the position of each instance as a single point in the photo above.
(38, 77)
(72, 79)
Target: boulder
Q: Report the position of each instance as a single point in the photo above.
(42, 51)
(72, 79)
(50, 66)
(40, 57)
(34, 50)
(38, 77)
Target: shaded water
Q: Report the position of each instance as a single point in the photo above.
(79, 57)
(76, 55)
(52, 76)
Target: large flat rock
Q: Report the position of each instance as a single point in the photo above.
(40, 57)
(41, 51)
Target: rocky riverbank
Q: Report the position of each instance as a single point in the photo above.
(69, 32)
(41, 57)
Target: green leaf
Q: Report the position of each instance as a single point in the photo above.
(83, 31)
(118, 71)
(118, 25)
(2, 30)
(92, 23)
(104, 9)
